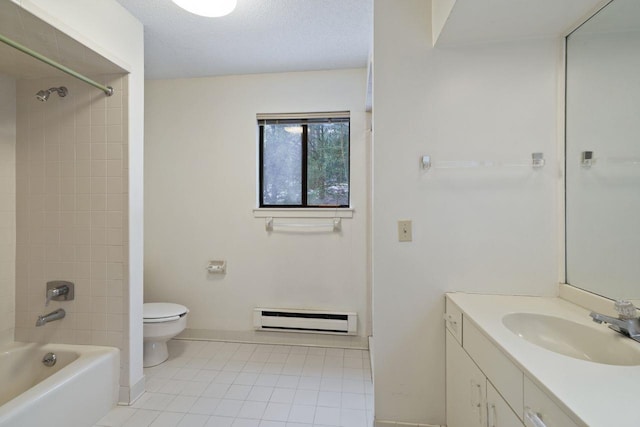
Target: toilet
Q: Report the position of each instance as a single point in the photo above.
(162, 321)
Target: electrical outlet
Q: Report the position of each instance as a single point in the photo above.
(404, 231)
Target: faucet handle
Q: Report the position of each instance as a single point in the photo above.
(626, 310)
(59, 290)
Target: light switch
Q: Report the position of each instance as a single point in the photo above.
(404, 231)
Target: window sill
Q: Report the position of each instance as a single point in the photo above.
(303, 213)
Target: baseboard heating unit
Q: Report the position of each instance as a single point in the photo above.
(306, 321)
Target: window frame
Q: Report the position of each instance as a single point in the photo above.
(304, 121)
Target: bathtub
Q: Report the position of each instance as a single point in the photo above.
(76, 392)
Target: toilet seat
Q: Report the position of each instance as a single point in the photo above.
(158, 312)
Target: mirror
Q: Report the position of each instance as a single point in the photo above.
(603, 152)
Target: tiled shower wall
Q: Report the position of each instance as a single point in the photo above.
(71, 161)
(7, 206)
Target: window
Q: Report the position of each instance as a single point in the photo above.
(304, 160)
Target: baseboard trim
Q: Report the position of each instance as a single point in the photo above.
(128, 395)
(276, 338)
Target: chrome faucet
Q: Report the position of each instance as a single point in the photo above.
(627, 323)
(56, 292)
(54, 315)
(59, 290)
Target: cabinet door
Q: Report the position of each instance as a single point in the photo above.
(541, 411)
(453, 320)
(466, 388)
(499, 413)
(498, 368)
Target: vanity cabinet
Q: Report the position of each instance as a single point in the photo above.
(466, 388)
(472, 401)
(485, 387)
(540, 408)
(499, 414)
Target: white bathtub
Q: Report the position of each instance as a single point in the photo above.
(76, 392)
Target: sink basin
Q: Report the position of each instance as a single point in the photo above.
(574, 339)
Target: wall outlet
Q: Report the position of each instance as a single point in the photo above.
(404, 231)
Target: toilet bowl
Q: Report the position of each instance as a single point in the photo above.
(162, 321)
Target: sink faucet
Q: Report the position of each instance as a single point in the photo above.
(54, 315)
(627, 323)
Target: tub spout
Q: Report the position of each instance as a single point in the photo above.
(54, 315)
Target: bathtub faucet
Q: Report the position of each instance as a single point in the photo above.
(54, 315)
(57, 290)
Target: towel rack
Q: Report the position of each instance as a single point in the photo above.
(537, 162)
(335, 225)
(587, 160)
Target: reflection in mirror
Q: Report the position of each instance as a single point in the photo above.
(603, 153)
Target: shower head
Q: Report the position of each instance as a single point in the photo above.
(43, 95)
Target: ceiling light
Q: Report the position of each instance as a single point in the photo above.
(209, 8)
(293, 129)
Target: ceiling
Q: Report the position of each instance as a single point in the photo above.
(28, 30)
(263, 36)
(259, 36)
(482, 21)
(619, 16)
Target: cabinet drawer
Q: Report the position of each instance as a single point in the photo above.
(499, 413)
(502, 372)
(539, 405)
(453, 320)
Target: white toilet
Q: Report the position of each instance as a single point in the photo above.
(162, 321)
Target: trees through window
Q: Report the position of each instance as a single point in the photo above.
(304, 162)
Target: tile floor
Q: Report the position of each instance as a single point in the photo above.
(218, 384)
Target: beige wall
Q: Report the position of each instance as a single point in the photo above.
(111, 31)
(200, 176)
(72, 212)
(7, 206)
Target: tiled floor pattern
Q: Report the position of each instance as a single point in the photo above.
(218, 384)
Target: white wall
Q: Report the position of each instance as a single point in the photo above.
(7, 206)
(201, 157)
(489, 231)
(107, 28)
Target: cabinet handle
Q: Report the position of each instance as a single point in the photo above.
(532, 419)
(453, 324)
(478, 403)
(492, 415)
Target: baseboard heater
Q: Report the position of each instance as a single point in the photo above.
(306, 321)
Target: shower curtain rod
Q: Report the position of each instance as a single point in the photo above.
(108, 90)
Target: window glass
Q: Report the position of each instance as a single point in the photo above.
(282, 165)
(328, 164)
(304, 162)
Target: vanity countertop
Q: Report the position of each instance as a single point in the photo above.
(594, 394)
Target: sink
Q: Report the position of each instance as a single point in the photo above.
(574, 339)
